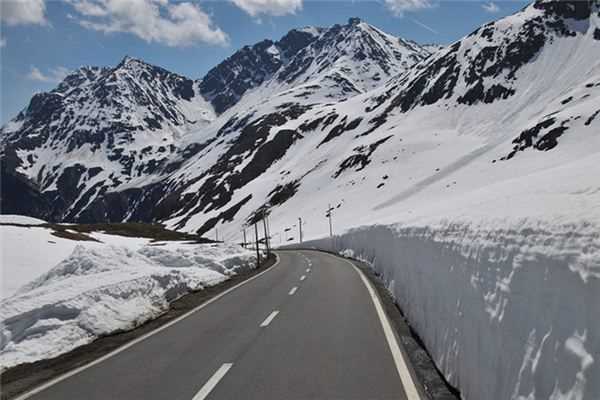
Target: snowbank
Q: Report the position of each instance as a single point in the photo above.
(28, 252)
(98, 290)
(20, 219)
(508, 310)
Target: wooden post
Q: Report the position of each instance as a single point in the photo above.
(257, 249)
(266, 236)
(244, 230)
(269, 231)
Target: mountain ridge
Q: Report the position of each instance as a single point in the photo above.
(284, 138)
(135, 122)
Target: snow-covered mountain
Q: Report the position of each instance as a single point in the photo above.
(348, 60)
(339, 114)
(91, 149)
(454, 123)
(101, 128)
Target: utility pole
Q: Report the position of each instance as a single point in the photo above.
(269, 231)
(300, 228)
(244, 230)
(328, 215)
(257, 250)
(217, 234)
(266, 235)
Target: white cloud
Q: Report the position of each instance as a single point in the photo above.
(490, 7)
(399, 7)
(269, 7)
(89, 8)
(173, 24)
(54, 75)
(23, 12)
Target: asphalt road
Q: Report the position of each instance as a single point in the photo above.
(307, 328)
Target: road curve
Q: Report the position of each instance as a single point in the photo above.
(305, 329)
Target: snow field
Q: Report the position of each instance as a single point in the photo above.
(101, 289)
(28, 252)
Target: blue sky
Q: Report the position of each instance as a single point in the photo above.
(41, 40)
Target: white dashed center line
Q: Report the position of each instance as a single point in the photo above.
(270, 318)
(307, 269)
(303, 277)
(293, 290)
(212, 382)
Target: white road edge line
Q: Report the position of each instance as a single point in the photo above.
(405, 377)
(303, 277)
(212, 382)
(410, 388)
(270, 318)
(307, 269)
(141, 338)
(293, 290)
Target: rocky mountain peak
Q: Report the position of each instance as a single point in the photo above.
(127, 59)
(353, 21)
(249, 67)
(354, 57)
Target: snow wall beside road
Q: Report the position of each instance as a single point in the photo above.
(506, 313)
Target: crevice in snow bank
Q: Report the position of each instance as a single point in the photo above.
(507, 311)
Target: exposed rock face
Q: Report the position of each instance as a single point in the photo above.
(250, 66)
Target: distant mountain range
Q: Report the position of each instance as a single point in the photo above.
(347, 115)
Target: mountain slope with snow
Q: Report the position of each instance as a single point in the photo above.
(481, 101)
(108, 144)
(415, 139)
(100, 129)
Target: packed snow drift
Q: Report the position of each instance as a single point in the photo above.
(27, 249)
(505, 312)
(98, 288)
